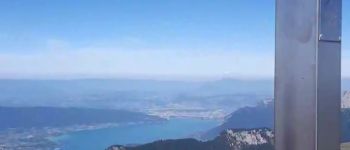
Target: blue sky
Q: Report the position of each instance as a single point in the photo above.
(140, 38)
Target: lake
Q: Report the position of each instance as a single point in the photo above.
(133, 134)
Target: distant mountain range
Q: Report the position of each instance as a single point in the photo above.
(228, 94)
(231, 139)
(257, 116)
(38, 117)
(224, 95)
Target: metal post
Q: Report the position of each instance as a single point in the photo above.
(307, 74)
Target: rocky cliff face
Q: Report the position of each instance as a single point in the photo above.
(247, 139)
(231, 139)
(345, 102)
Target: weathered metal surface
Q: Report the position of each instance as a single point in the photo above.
(295, 74)
(330, 20)
(328, 96)
(307, 75)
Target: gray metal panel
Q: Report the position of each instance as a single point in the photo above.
(328, 96)
(307, 75)
(330, 20)
(295, 74)
(329, 75)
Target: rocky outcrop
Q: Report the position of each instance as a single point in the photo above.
(345, 102)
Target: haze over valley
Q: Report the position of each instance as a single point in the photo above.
(63, 114)
(210, 99)
(44, 110)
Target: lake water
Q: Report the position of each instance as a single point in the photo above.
(133, 134)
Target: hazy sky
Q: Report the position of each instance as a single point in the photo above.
(141, 38)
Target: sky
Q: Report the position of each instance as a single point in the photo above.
(163, 39)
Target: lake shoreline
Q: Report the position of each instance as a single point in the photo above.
(173, 128)
(48, 137)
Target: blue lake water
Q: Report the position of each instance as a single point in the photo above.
(133, 134)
